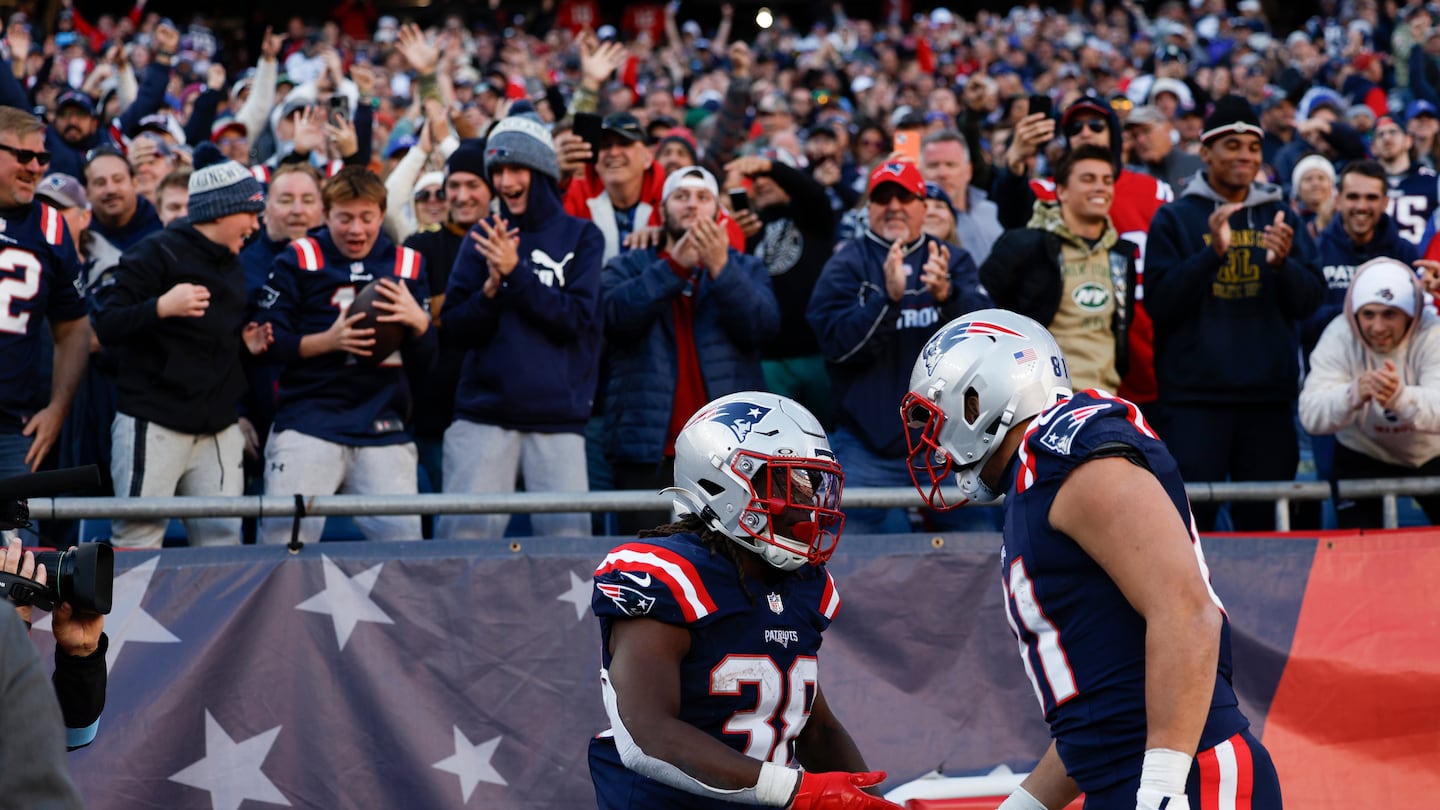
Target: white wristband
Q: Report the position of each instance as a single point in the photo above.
(776, 785)
(1165, 770)
(1021, 800)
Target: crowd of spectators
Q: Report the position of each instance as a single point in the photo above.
(607, 222)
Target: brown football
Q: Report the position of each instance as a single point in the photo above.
(388, 334)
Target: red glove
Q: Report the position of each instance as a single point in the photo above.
(839, 791)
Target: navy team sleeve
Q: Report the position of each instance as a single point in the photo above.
(643, 580)
(66, 302)
(279, 306)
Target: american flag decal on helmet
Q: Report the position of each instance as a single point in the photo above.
(1027, 355)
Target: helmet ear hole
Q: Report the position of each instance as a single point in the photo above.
(972, 406)
(712, 488)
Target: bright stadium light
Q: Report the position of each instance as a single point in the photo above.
(764, 19)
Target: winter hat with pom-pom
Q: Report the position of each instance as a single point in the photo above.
(220, 186)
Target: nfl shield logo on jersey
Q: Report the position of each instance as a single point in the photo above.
(776, 605)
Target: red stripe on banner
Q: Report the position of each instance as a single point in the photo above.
(1209, 779)
(1244, 772)
(1355, 722)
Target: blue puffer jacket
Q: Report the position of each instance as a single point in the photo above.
(736, 314)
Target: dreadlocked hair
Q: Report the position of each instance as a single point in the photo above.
(717, 542)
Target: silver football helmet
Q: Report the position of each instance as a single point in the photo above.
(976, 378)
(757, 467)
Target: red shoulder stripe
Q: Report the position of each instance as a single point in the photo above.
(678, 574)
(307, 251)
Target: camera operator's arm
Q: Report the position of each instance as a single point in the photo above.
(80, 678)
(32, 760)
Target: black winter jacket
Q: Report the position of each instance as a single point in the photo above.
(180, 373)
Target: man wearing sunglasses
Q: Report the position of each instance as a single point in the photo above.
(1137, 197)
(876, 303)
(40, 268)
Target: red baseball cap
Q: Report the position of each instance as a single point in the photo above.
(902, 173)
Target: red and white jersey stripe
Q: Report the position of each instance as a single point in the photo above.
(678, 574)
(308, 252)
(52, 225)
(830, 599)
(407, 263)
(1227, 775)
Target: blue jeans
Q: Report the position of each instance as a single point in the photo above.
(865, 468)
(13, 448)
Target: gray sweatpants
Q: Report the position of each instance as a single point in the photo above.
(299, 463)
(151, 461)
(484, 458)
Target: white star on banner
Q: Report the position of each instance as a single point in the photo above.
(230, 771)
(578, 595)
(127, 621)
(472, 764)
(347, 599)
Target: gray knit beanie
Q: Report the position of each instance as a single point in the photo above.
(521, 140)
(221, 187)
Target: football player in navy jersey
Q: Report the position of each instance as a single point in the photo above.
(339, 422)
(1124, 640)
(711, 627)
(38, 268)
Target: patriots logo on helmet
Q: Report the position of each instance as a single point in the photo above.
(630, 601)
(1061, 434)
(740, 417)
(947, 338)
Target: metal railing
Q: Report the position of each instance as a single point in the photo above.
(1281, 492)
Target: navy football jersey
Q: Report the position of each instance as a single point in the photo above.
(333, 396)
(750, 676)
(39, 272)
(1412, 198)
(1081, 643)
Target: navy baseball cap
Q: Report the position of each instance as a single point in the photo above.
(1421, 107)
(75, 98)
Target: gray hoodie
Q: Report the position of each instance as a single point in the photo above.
(1406, 435)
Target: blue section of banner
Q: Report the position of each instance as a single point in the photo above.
(427, 675)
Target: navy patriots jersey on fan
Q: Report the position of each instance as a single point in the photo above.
(38, 272)
(332, 396)
(1082, 644)
(1412, 198)
(750, 676)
